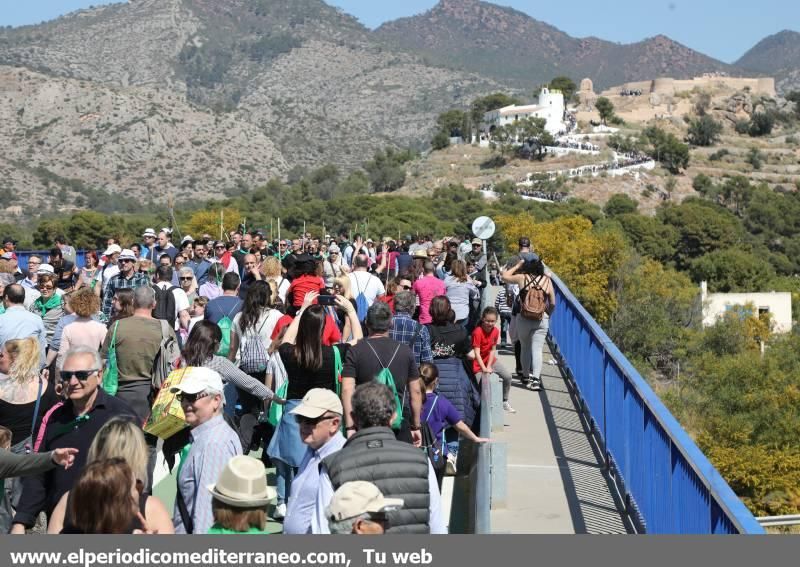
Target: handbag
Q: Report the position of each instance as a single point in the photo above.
(111, 373)
(432, 446)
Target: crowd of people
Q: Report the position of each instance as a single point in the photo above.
(352, 367)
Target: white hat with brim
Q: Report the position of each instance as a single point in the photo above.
(45, 269)
(198, 379)
(317, 402)
(186, 239)
(149, 232)
(243, 483)
(113, 249)
(127, 255)
(359, 497)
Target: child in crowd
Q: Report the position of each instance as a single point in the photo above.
(484, 346)
(198, 311)
(438, 413)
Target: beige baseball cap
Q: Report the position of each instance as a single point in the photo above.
(359, 497)
(318, 401)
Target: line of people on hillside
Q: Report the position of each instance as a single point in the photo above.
(356, 374)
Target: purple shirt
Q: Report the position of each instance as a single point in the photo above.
(443, 414)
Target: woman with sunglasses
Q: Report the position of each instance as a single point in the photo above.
(309, 364)
(48, 305)
(188, 283)
(118, 439)
(393, 287)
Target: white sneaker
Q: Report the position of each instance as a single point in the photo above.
(450, 468)
(508, 408)
(280, 512)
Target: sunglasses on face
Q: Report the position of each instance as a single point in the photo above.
(46, 288)
(313, 421)
(190, 398)
(406, 287)
(81, 375)
(219, 247)
(126, 261)
(185, 279)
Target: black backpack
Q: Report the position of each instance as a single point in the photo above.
(165, 304)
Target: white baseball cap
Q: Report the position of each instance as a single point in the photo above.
(45, 269)
(198, 379)
(113, 249)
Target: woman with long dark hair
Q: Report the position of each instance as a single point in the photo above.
(309, 364)
(199, 350)
(123, 305)
(529, 275)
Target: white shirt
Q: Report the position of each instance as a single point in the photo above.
(264, 326)
(305, 487)
(366, 283)
(181, 300)
(319, 521)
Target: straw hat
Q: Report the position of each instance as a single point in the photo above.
(243, 483)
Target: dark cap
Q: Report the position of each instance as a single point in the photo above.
(524, 242)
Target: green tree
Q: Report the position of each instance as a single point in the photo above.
(704, 131)
(440, 140)
(794, 96)
(620, 204)
(386, 171)
(733, 270)
(667, 149)
(450, 122)
(649, 236)
(656, 306)
(532, 130)
(564, 84)
(755, 157)
(702, 228)
(761, 124)
(606, 109)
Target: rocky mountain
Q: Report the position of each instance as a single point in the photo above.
(777, 55)
(68, 142)
(510, 46)
(293, 82)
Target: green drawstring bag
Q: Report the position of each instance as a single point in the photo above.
(111, 373)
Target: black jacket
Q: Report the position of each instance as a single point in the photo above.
(42, 492)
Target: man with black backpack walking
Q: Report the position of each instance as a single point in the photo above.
(172, 303)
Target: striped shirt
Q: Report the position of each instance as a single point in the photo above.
(214, 443)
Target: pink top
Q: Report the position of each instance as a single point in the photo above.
(426, 288)
(82, 332)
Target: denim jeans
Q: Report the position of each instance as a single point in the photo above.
(284, 475)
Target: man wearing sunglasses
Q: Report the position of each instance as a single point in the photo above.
(212, 444)
(86, 409)
(320, 418)
(127, 278)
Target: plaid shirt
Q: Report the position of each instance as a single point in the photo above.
(121, 282)
(403, 330)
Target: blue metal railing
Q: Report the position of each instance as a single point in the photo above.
(667, 483)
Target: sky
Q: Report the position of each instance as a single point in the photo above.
(724, 29)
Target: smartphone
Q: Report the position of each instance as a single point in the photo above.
(326, 300)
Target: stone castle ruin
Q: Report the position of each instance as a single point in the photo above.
(663, 89)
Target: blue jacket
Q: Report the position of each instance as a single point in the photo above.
(458, 386)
